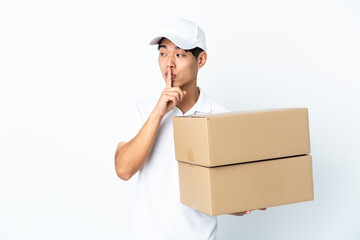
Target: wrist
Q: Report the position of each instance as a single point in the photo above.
(154, 115)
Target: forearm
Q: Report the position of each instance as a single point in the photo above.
(130, 157)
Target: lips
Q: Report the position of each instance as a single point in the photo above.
(172, 75)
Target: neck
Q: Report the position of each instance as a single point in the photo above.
(192, 95)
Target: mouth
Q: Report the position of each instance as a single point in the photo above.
(172, 75)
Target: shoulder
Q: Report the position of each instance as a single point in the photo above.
(143, 106)
(217, 107)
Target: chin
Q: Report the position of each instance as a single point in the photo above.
(176, 84)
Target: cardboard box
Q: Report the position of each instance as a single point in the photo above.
(242, 161)
(222, 139)
(246, 186)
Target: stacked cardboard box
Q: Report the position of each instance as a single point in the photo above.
(241, 161)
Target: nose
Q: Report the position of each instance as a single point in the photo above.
(170, 62)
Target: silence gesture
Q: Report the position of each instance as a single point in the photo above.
(170, 96)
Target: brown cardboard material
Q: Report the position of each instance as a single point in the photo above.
(246, 186)
(222, 139)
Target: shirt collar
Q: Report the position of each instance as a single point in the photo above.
(202, 105)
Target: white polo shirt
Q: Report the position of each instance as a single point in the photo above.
(158, 213)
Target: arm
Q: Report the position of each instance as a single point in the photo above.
(131, 156)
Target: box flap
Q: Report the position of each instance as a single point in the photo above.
(237, 137)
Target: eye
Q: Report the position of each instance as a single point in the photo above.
(163, 54)
(180, 55)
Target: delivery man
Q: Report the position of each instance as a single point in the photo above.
(147, 142)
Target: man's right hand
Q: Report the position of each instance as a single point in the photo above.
(170, 96)
(131, 156)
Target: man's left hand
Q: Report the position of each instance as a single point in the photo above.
(245, 212)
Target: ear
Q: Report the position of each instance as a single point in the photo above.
(201, 60)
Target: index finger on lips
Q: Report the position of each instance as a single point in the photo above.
(168, 78)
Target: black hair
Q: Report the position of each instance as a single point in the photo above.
(195, 51)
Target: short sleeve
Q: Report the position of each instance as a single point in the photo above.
(130, 123)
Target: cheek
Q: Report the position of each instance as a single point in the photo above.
(188, 68)
(191, 70)
(162, 65)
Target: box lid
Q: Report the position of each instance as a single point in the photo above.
(229, 138)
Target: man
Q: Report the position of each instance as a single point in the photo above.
(149, 146)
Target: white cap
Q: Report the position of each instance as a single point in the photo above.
(184, 34)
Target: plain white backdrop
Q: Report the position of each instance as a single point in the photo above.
(69, 69)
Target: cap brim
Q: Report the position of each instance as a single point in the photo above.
(181, 43)
(155, 41)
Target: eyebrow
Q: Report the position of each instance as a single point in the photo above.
(164, 46)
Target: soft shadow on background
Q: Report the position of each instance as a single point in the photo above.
(69, 69)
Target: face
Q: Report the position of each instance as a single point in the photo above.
(184, 66)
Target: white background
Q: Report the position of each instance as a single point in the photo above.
(69, 69)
